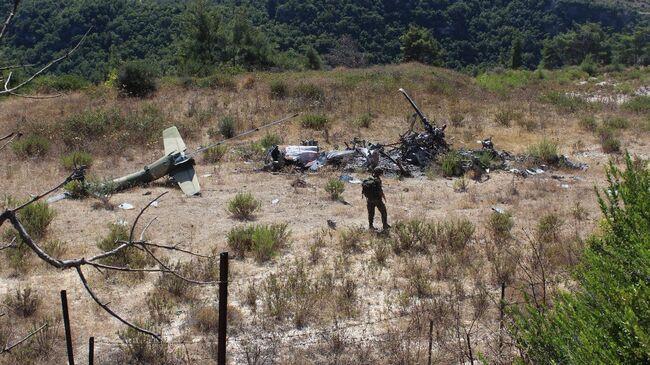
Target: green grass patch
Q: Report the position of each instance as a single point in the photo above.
(567, 103)
(452, 164)
(75, 159)
(31, 146)
(270, 139)
(506, 81)
(335, 188)
(638, 104)
(262, 241)
(317, 122)
(243, 206)
(545, 151)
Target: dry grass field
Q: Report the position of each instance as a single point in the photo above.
(344, 296)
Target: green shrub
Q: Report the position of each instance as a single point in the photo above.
(309, 92)
(136, 79)
(228, 126)
(364, 121)
(317, 122)
(252, 151)
(243, 205)
(608, 140)
(76, 189)
(504, 117)
(36, 218)
(588, 65)
(270, 139)
(616, 123)
(335, 187)
(413, 236)
(263, 241)
(131, 256)
(545, 151)
(451, 164)
(172, 284)
(588, 123)
(60, 83)
(76, 159)
(217, 81)
(31, 146)
(568, 103)
(351, 240)
(639, 104)
(606, 316)
(140, 348)
(24, 302)
(456, 119)
(279, 89)
(215, 154)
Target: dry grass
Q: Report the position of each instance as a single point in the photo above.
(336, 283)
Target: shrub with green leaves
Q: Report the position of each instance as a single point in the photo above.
(335, 187)
(270, 139)
(609, 139)
(317, 122)
(75, 159)
(49, 83)
(605, 320)
(136, 79)
(31, 146)
(364, 120)
(588, 123)
(279, 89)
(243, 206)
(309, 92)
(616, 123)
(568, 103)
(545, 151)
(130, 256)
(451, 164)
(217, 81)
(228, 126)
(263, 241)
(215, 154)
(36, 218)
(639, 104)
(76, 189)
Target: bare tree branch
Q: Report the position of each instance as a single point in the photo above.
(11, 244)
(8, 348)
(11, 137)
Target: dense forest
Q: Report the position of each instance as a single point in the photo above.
(192, 37)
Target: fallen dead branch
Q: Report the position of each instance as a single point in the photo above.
(8, 348)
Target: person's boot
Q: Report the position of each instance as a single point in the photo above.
(372, 228)
(386, 227)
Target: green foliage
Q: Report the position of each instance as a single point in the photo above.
(588, 42)
(568, 103)
(364, 121)
(506, 81)
(243, 205)
(515, 58)
(53, 83)
(418, 236)
(36, 218)
(639, 104)
(417, 44)
(335, 187)
(606, 319)
(75, 159)
(314, 62)
(545, 151)
(588, 123)
(616, 123)
(130, 256)
(136, 79)
(31, 146)
(452, 164)
(217, 81)
(24, 302)
(504, 117)
(270, 139)
(76, 189)
(215, 154)
(263, 241)
(315, 121)
(140, 348)
(608, 138)
(588, 65)
(309, 92)
(278, 89)
(228, 126)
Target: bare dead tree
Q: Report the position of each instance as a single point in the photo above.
(11, 90)
(78, 264)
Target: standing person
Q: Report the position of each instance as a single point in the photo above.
(371, 189)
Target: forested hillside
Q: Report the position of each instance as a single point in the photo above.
(466, 34)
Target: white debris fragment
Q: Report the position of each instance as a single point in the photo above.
(275, 201)
(126, 206)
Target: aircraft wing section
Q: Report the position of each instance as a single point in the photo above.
(187, 180)
(173, 141)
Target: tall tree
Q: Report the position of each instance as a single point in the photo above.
(418, 45)
(515, 60)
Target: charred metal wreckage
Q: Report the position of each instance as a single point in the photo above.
(409, 156)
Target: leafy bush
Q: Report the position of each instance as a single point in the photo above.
(616, 123)
(243, 205)
(608, 140)
(452, 164)
(252, 151)
(131, 256)
(568, 103)
(639, 104)
(309, 92)
(76, 159)
(24, 302)
(364, 121)
(335, 187)
(36, 218)
(279, 89)
(270, 139)
(215, 154)
(588, 123)
(351, 239)
(315, 121)
(136, 79)
(76, 189)
(171, 284)
(545, 151)
(31, 146)
(217, 81)
(606, 317)
(228, 126)
(264, 241)
(60, 83)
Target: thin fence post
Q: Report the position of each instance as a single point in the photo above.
(66, 324)
(430, 340)
(223, 308)
(91, 351)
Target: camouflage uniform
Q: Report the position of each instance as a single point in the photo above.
(373, 192)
